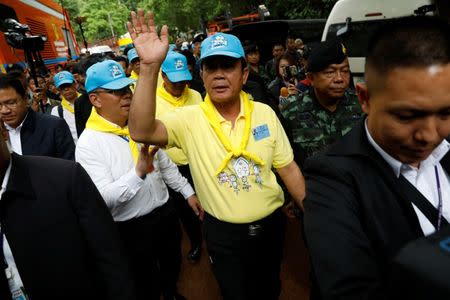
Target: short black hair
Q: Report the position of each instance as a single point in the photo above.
(120, 58)
(418, 41)
(190, 59)
(9, 81)
(77, 68)
(91, 60)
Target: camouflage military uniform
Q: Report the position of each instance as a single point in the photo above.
(311, 127)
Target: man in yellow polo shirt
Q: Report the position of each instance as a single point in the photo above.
(232, 144)
(172, 94)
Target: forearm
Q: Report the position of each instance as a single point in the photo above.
(294, 181)
(142, 123)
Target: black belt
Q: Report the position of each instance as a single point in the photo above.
(252, 228)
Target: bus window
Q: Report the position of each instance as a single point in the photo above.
(357, 38)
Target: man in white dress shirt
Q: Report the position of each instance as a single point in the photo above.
(67, 86)
(133, 182)
(386, 183)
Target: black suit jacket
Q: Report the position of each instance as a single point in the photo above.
(46, 135)
(62, 236)
(357, 217)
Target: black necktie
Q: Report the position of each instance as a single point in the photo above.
(5, 293)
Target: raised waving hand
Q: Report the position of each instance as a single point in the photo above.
(151, 47)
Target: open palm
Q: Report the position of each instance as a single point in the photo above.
(151, 48)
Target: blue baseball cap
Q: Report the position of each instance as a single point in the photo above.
(222, 44)
(107, 74)
(132, 54)
(62, 78)
(175, 67)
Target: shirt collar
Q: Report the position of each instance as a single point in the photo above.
(9, 128)
(434, 158)
(240, 115)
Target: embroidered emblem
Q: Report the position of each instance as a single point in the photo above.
(219, 42)
(179, 65)
(115, 72)
(61, 76)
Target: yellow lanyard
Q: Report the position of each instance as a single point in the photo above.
(66, 104)
(177, 102)
(211, 115)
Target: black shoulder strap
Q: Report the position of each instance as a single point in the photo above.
(60, 111)
(421, 202)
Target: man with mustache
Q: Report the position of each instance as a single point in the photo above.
(328, 110)
(232, 143)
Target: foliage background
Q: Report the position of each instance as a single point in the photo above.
(181, 16)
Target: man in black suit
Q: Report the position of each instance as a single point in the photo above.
(57, 237)
(387, 182)
(32, 133)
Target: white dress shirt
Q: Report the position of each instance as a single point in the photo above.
(14, 137)
(108, 160)
(12, 274)
(70, 120)
(423, 179)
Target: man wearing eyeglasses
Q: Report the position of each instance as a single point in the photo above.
(132, 180)
(329, 109)
(32, 133)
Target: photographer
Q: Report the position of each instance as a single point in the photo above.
(286, 81)
(328, 110)
(39, 94)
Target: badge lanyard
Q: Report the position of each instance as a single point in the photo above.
(3, 263)
(438, 183)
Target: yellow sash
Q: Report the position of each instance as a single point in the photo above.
(134, 75)
(96, 122)
(66, 104)
(177, 102)
(210, 113)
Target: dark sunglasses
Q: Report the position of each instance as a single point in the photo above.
(118, 93)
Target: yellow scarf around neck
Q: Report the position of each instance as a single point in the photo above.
(177, 102)
(134, 75)
(67, 105)
(96, 122)
(211, 115)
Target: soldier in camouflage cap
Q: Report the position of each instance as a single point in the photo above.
(329, 109)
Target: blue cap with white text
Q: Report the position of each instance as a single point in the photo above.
(175, 67)
(62, 78)
(107, 74)
(222, 44)
(132, 54)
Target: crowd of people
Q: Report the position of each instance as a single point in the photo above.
(102, 158)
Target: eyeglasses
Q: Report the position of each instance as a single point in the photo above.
(9, 104)
(118, 93)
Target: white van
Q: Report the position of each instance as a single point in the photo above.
(354, 21)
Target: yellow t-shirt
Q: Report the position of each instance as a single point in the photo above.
(163, 107)
(242, 192)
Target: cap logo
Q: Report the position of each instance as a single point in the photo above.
(179, 65)
(115, 72)
(219, 42)
(61, 76)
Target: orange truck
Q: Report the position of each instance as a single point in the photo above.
(44, 17)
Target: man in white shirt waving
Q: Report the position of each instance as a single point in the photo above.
(133, 182)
